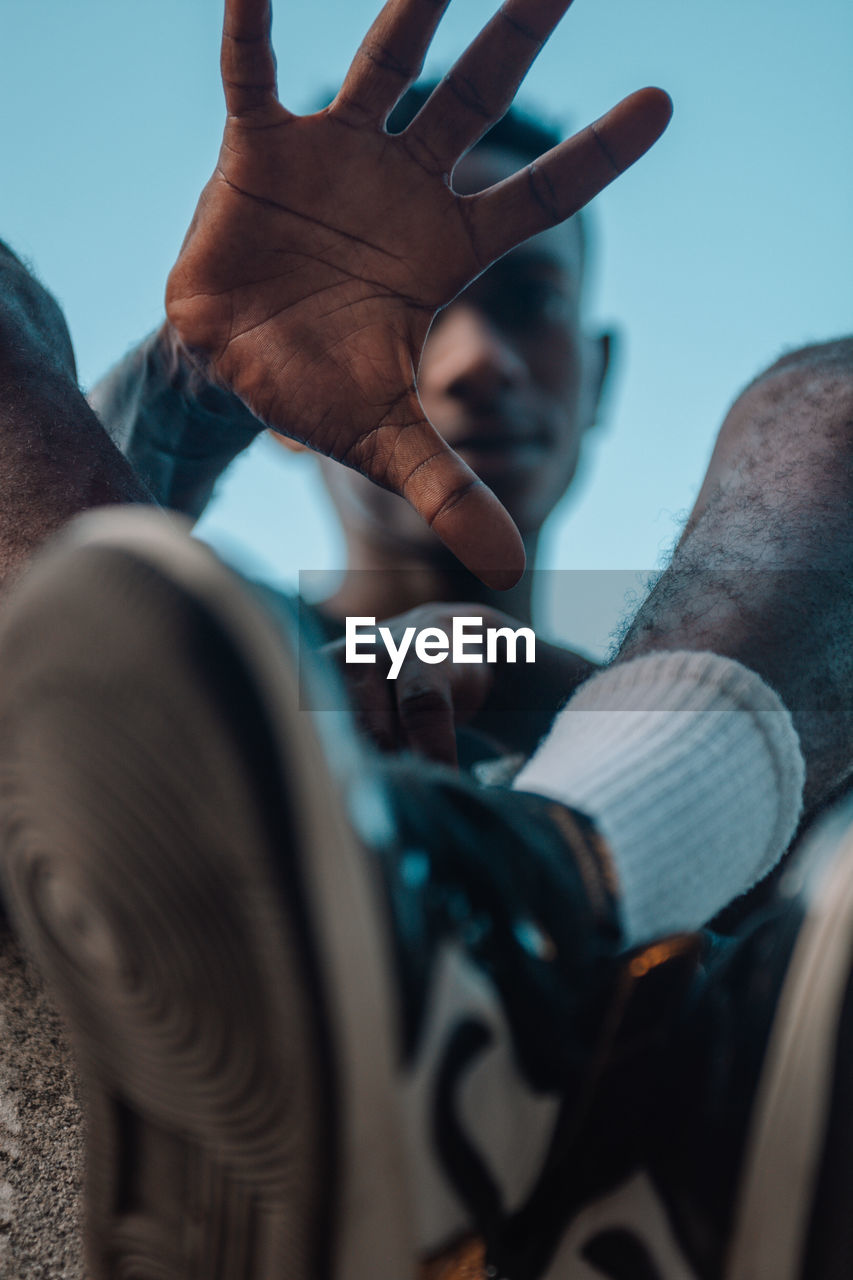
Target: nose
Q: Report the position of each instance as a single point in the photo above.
(468, 358)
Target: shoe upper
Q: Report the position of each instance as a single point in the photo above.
(709, 1077)
(747, 1143)
(523, 886)
(516, 992)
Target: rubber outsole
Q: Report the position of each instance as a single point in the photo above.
(179, 862)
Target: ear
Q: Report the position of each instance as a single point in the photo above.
(599, 350)
(293, 445)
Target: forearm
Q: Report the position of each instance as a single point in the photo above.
(177, 430)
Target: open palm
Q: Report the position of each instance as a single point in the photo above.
(323, 246)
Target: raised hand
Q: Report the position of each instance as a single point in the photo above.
(323, 246)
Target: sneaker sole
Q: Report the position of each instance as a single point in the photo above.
(181, 863)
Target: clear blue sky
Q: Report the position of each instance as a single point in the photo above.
(730, 242)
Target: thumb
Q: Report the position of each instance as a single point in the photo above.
(414, 461)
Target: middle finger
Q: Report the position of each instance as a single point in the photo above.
(389, 59)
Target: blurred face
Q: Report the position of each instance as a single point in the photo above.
(507, 377)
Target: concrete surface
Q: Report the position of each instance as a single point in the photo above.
(41, 1145)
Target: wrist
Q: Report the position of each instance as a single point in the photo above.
(183, 368)
(187, 372)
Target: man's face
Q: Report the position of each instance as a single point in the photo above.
(507, 378)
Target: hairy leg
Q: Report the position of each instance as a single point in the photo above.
(55, 457)
(764, 570)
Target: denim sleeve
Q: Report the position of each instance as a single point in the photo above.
(178, 432)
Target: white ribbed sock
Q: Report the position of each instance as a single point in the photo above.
(691, 768)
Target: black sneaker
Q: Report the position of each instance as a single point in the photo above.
(742, 1130)
(330, 1016)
